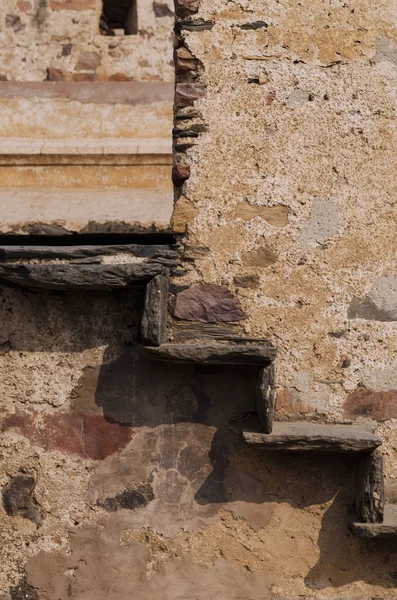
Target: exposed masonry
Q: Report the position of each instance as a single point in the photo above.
(188, 125)
(153, 267)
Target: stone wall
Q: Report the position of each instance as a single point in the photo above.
(60, 40)
(286, 195)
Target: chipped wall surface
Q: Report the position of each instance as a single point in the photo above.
(287, 198)
(125, 477)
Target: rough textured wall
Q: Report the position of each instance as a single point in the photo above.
(121, 476)
(287, 192)
(60, 40)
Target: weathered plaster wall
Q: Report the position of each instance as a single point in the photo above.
(286, 196)
(60, 40)
(125, 478)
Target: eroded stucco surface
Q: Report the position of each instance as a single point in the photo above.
(142, 485)
(291, 196)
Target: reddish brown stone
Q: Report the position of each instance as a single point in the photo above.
(208, 304)
(88, 61)
(184, 60)
(88, 436)
(73, 4)
(180, 172)
(187, 93)
(84, 77)
(119, 77)
(184, 8)
(379, 406)
(54, 74)
(24, 5)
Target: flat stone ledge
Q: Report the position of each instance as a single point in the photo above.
(301, 436)
(212, 354)
(384, 531)
(94, 277)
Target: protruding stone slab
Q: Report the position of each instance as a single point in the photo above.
(160, 253)
(213, 354)
(63, 276)
(370, 499)
(384, 531)
(265, 397)
(301, 436)
(154, 318)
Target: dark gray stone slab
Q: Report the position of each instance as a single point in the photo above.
(301, 436)
(370, 499)
(213, 354)
(156, 252)
(154, 318)
(63, 276)
(265, 397)
(384, 531)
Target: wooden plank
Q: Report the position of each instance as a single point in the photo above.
(64, 276)
(212, 354)
(302, 436)
(154, 318)
(370, 499)
(384, 531)
(265, 397)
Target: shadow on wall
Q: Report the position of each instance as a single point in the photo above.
(161, 435)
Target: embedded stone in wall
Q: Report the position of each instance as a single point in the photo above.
(180, 172)
(246, 281)
(184, 212)
(380, 406)
(379, 305)
(88, 61)
(187, 93)
(274, 215)
(18, 498)
(73, 4)
(323, 224)
(24, 5)
(260, 257)
(208, 303)
(161, 9)
(184, 8)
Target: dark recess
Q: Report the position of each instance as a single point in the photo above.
(119, 14)
(88, 239)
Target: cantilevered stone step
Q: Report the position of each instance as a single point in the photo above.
(213, 354)
(385, 530)
(303, 436)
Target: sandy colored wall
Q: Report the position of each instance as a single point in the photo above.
(287, 197)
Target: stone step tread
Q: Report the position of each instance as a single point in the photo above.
(385, 530)
(303, 436)
(249, 354)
